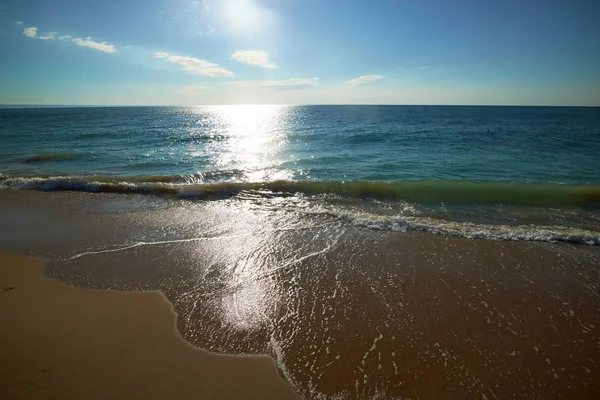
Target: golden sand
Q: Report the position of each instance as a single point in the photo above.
(58, 341)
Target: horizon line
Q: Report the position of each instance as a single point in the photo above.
(33, 105)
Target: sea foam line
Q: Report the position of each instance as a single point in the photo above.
(470, 230)
(426, 191)
(159, 242)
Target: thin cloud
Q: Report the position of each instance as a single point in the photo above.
(275, 84)
(48, 36)
(364, 79)
(209, 31)
(19, 22)
(100, 46)
(195, 65)
(254, 57)
(193, 89)
(423, 67)
(30, 32)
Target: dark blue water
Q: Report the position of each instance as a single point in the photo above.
(384, 167)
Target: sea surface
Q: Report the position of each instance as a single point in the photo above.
(520, 173)
(373, 251)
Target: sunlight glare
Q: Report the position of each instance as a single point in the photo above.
(242, 15)
(249, 142)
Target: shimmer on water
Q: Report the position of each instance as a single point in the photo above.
(391, 251)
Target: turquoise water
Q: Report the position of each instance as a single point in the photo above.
(338, 143)
(380, 165)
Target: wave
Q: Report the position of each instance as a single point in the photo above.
(471, 230)
(43, 157)
(449, 192)
(190, 187)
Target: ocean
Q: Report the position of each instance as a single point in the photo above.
(499, 172)
(391, 251)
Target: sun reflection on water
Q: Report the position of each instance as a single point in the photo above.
(242, 263)
(244, 142)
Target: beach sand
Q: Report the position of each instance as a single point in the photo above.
(345, 312)
(59, 341)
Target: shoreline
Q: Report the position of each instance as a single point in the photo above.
(62, 341)
(346, 312)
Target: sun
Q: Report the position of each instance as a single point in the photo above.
(245, 16)
(242, 15)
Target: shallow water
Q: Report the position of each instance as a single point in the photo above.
(347, 312)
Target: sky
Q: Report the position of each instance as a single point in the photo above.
(197, 52)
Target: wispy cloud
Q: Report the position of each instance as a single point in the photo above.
(48, 36)
(195, 65)
(275, 84)
(19, 22)
(30, 32)
(423, 67)
(253, 57)
(193, 89)
(100, 46)
(364, 79)
(207, 31)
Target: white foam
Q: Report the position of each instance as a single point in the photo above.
(401, 222)
(474, 231)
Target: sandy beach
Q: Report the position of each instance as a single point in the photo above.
(299, 199)
(286, 303)
(62, 342)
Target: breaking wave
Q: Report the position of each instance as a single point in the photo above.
(430, 191)
(422, 192)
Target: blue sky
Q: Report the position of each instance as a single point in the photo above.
(186, 52)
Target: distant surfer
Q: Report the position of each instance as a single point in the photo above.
(487, 131)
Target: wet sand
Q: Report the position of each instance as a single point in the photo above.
(62, 342)
(346, 312)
